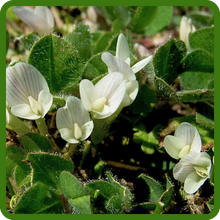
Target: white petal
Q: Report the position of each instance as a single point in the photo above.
(46, 100)
(132, 89)
(116, 64)
(185, 166)
(88, 93)
(68, 135)
(108, 84)
(106, 112)
(173, 146)
(183, 34)
(122, 48)
(193, 182)
(63, 119)
(45, 13)
(189, 135)
(23, 80)
(204, 161)
(77, 111)
(87, 130)
(7, 117)
(182, 170)
(24, 111)
(141, 64)
(109, 60)
(27, 15)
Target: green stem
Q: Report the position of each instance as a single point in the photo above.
(71, 150)
(86, 149)
(42, 126)
(18, 126)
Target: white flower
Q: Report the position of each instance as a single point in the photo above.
(73, 121)
(27, 92)
(121, 63)
(193, 170)
(186, 28)
(186, 138)
(103, 98)
(39, 18)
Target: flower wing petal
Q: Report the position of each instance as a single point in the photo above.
(109, 60)
(46, 100)
(23, 80)
(87, 129)
(173, 146)
(185, 166)
(45, 13)
(67, 135)
(88, 93)
(27, 15)
(189, 135)
(122, 48)
(193, 182)
(63, 119)
(141, 64)
(24, 111)
(77, 111)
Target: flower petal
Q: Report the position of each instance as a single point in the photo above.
(185, 166)
(24, 111)
(87, 130)
(104, 114)
(141, 64)
(67, 135)
(28, 16)
(88, 93)
(63, 119)
(23, 80)
(45, 13)
(116, 64)
(189, 135)
(77, 111)
(193, 182)
(122, 48)
(173, 146)
(46, 100)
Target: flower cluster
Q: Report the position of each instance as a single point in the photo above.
(28, 94)
(194, 166)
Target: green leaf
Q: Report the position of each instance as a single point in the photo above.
(80, 40)
(162, 20)
(113, 205)
(167, 60)
(47, 168)
(94, 67)
(33, 142)
(148, 189)
(143, 102)
(94, 38)
(57, 60)
(198, 60)
(81, 205)
(205, 114)
(121, 13)
(21, 171)
(104, 41)
(196, 80)
(166, 197)
(7, 41)
(196, 95)
(142, 18)
(108, 194)
(39, 200)
(211, 204)
(10, 150)
(148, 140)
(75, 193)
(201, 19)
(28, 40)
(203, 39)
(165, 90)
(145, 207)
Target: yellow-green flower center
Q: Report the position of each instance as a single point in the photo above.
(99, 104)
(184, 151)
